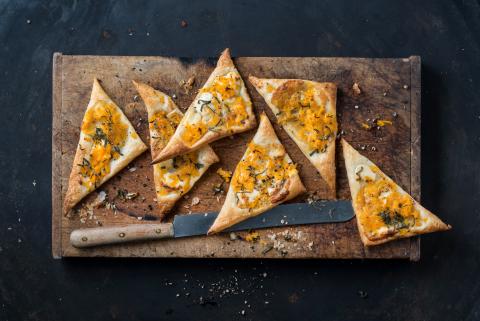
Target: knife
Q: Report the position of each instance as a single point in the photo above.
(198, 224)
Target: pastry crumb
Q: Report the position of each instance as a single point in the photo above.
(195, 201)
(356, 89)
(187, 85)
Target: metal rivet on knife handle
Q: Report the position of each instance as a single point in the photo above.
(84, 239)
(158, 231)
(121, 234)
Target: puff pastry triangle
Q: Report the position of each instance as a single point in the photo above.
(264, 178)
(108, 142)
(221, 108)
(307, 111)
(174, 177)
(384, 210)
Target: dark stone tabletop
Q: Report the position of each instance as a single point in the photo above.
(444, 285)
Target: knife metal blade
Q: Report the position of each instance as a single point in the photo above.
(282, 215)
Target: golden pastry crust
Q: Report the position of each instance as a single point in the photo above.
(231, 212)
(273, 90)
(78, 186)
(359, 172)
(178, 145)
(164, 117)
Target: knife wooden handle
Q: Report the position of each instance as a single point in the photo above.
(89, 237)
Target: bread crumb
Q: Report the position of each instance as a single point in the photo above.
(187, 85)
(356, 89)
(195, 201)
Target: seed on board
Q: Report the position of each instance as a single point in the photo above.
(405, 86)
(356, 107)
(310, 246)
(131, 196)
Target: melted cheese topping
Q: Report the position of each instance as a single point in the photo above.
(162, 127)
(303, 108)
(383, 209)
(260, 176)
(178, 174)
(103, 127)
(220, 107)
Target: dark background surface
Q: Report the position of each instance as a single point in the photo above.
(444, 285)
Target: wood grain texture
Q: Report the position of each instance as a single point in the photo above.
(57, 204)
(416, 140)
(388, 86)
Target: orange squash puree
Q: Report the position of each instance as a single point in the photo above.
(103, 127)
(261, 173)
(380, 204)
(303, 107)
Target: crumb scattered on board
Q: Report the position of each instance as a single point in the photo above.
(280, 242)
(369, 124)
(225, 174)
(187, 85)
(195, 201)
(356, 89)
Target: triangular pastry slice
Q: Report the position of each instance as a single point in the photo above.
(307, 111)
(384, 210)
(108, 142)
(264, 178)
(221, 108)
(173, 177)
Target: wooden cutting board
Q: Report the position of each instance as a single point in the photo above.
(390, 90)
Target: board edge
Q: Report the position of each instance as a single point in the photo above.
(415, 141)
(56, 155)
